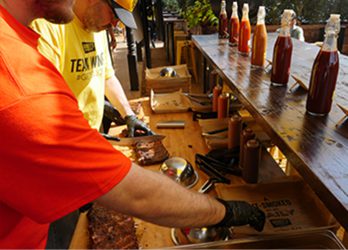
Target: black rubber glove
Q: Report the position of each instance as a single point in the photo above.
(133, 123)
(239, 213)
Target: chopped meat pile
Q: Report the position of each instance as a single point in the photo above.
(110, 230)
(149, 153)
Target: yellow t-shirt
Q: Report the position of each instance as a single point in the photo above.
(83, 59)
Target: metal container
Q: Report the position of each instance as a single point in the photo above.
(300, 240)
(180, 170)
(168, 72)
(181, 236)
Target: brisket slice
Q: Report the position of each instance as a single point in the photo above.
(110, 230)
(149, 153)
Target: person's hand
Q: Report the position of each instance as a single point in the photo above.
(133, 123)
(239, 213)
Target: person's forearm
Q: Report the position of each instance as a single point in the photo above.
(115, 93)
(156, 198)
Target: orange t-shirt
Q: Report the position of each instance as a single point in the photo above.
(51, 161)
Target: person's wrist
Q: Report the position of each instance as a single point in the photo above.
(226, 220)
(130, 117)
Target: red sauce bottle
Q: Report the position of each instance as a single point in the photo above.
(252, 156)
(259, 44)
(216, 93)
(234, 26)
(246, 135)
(244, 32)
(234, 131)
(282, 52)
(324, 71)
(223, 21)
(223, 105)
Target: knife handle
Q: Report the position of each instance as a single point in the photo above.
(110, 137)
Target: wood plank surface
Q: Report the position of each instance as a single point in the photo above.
(317, 149)
(184, 143)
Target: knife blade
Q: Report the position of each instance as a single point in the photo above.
(129, 141)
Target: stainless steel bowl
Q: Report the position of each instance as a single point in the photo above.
(180, 171)
(168, 72)
(184, 236)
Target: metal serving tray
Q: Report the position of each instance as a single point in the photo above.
(303, 240)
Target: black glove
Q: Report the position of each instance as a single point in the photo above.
(112, 114)
(239, 213)
(133, 124)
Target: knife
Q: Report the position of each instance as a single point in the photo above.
(215, 131)
(129, 141)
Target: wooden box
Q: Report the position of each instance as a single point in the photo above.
(290, 205)
(161, 84)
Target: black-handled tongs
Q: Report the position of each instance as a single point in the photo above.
(215, 176)
(221, 167)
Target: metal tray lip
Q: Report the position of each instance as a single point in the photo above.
(259, 238)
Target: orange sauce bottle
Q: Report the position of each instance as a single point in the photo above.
(259, 44)
(234, 26)
(244, 32)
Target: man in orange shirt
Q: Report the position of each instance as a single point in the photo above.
(52, 162)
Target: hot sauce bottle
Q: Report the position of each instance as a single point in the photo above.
(282, 52)
(234, 130)
(251, 161)
(244, 32)
(223, 21)
(223, 105)
(217, 90)
(259, 45)
(234, 26)
(324, 71)
(246, 135)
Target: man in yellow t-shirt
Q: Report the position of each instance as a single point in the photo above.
(79, 50)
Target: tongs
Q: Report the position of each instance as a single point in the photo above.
(219, 166)
(215, 176)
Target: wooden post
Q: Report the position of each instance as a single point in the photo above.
(146, 33)
(132, 60)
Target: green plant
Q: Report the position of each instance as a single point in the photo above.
(200, 14)
(171, 5)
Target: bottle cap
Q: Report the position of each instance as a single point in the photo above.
(235, 6)
(234, 9)
(223, 4)
(224, 95)
(287, 16)
(335, 18)
(261, 14)
(245, 9)
(252, 143)
(236, 118)
(333, 24)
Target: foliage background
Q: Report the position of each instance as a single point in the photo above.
(308, 11)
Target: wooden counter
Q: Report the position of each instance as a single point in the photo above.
(314, 146)
(186, 143)
(183, 143)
